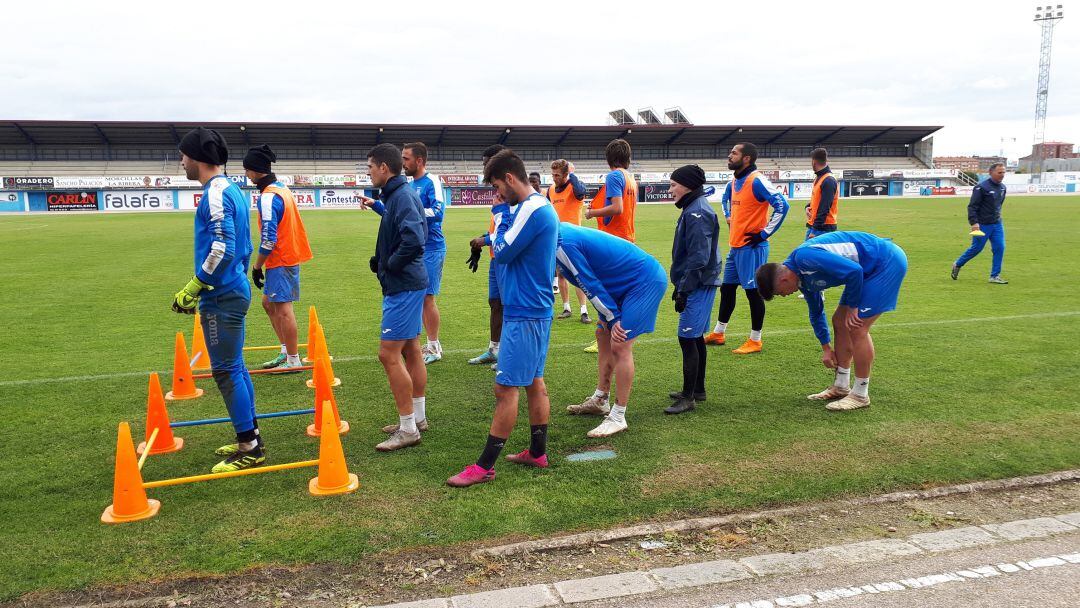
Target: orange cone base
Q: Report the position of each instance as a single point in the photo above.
(178, 444)
(313, 487)
(109, 517)
(311, 383)
(342, 429)
(309, 360)
(171, 397)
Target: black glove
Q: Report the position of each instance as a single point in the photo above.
(474, 259)
(258, 277)
(680, 301)
(754, 238)
(373, 263)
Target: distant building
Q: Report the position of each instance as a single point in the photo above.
(960, 163)
(1051, 150)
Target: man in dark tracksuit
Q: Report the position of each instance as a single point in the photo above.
(984, 216)
(695, 273)
(399, 264)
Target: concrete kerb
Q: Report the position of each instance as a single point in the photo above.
(705, 523)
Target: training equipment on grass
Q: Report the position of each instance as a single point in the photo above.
(205, 421)
(323, 352)
(157, 421)
(200, 357)
(312, 339)
(334, 476)
(129, 498)
(183, 384)
(261, 372)
(325, 394)
(129, 490)
(588, 456)
(976, 233)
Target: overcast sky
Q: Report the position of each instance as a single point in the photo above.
(969, 66)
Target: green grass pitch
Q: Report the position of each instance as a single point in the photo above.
(972, 381)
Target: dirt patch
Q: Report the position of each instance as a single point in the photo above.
(415, 575)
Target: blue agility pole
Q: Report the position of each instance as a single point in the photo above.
(224, 420)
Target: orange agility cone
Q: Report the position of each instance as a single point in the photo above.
(323, 353)
(157, 417)
(325, 394)
(334, 476)
(129, 497)
(200, 357)
(183, 385)
(312, 325)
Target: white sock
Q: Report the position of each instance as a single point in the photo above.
(755, 335)
(284, 350)
(294, 359)
(419, 406)
(493, 347)
(719, 328)
(599, 394)
(436, 346)
(584, 309)
(408, 423)
(862, 386)
(843, 377)
(566, 306)
(618, 413)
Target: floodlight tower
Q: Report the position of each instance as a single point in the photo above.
(1048, 16)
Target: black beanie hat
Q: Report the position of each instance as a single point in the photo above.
(691, 176)
(259, 159)
(205, 145)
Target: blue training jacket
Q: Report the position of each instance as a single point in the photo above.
(695, 250)
(222, 236)
(832, 259)
(986, 201)
(604, 266)
(400, 244)
(524, 247)
(431, 196)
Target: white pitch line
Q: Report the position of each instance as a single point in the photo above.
(462, 351)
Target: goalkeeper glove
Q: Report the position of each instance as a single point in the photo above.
(474, 258)
(258, 277)
(680, 301)
(187, 299)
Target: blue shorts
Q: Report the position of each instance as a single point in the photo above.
(639, 307)
(493, 282)
(742, 263)
(522, 351)
(881, 288)
(282, 284)
(402, 315)
(433, 262)
(694, 321)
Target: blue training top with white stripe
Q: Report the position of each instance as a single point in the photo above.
(524, 246)
(431, 195)
(222, 235)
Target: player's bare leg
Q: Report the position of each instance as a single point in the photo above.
(432, 351)
(621, 358)
(842, 351)
(597, 403)
(862, 347)
(402, 386)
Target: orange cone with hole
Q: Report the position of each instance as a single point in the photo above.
(325, 394)
(334, 476)
(183, 385)
(312, 325)
(157, 417)
(129, 497)
(200, 357)
(323, 353)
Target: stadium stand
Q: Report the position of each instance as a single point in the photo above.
(79, 148)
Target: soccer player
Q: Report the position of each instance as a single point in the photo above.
(626, 285)
(824, 197)
(614, 204)
(534, 181)
(399, 264)
(567, 195)
(695, 273)
(746, 205)
(871, 269)
(491, 355)
(220, 289)
(524, 246)
(428, 187)
(984, 216)
(283, 246)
